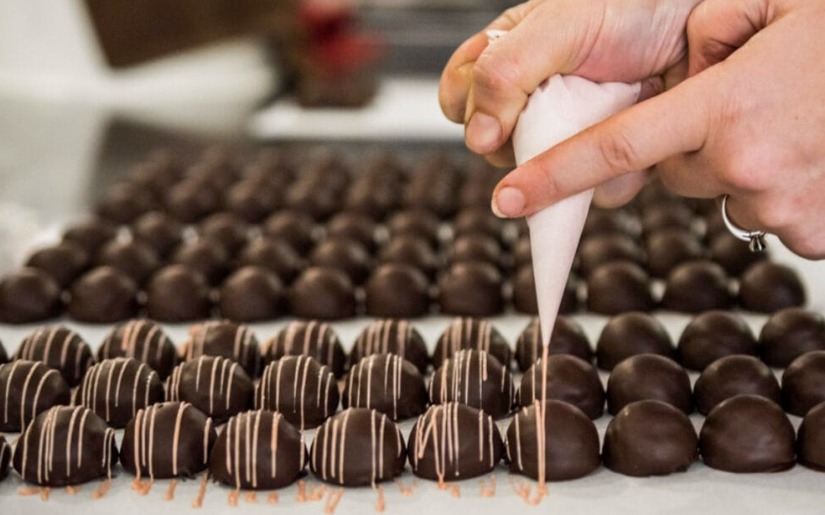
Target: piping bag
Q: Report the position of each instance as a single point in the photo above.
(561, 107)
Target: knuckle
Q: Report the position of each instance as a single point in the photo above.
(618, 151)
(496, 74)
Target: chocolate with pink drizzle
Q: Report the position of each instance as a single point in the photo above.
(387, 383)
(308, 338)
(225, 339)
(28, 388)
(391, 336)
(217, 386)
(59, 348)
(471, 333)
(300, 388)
(475, 378)
(144, 341)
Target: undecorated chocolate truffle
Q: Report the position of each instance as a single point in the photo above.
(478, 220)
(670, 247)
(471, 288)
(115, 389)
(631, 334)
(789, 333)
(594, 251)
(4, 358)
(568, 338)
(206, 257)
(299, 387)
(250, 294)
(803, 383)
(767, 287)
(397, 290)
(167, 440)
(28, 388)
(471, 333)
(5, 458)
(713, 335)
(475, 247)
(415, 222)
(391, 336)
(387, 383)
(177, 294)
(273, 254)
(666, 214)
(649, 438)
(136, 260)
(358, 447)
(412, 251)
(90, 234)
(258, 450)
(732, 253)
(524, 293)
(810, 439)
(453, 441)
(747, 433)
(226, 339)
(345, 255)
(322, 293)
(59, 348)
(217, 386)
(29, 295)
(618, 287)
(227, 229)
(569, 379)
(159, 231)
(314, 339)
(352, 226)
(144, 341)
(294, 227)
(648, 376)
(571, 442)
(734, 375)
(601, 221)
(475, 378)
(66, 446)
(696, 286)
(192, 199)
(63, 262)
(103, 295)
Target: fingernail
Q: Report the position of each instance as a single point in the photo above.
(508, 202)
(483, 133)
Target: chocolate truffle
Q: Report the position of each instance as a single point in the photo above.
(604, 248)
(28, 388)
(767, 287)
(167, 440)
(300, 388)
(571, 442)
(126, 201)
(59, 348)
(391, 336)
(410, 250)
(475, 378)
(354, 227)
(471, 288)
(65, 446)
(475, 247)
(115, 389)
(696, 286)
(734, 375)
(253, 199)
(471, 333)
(810, 439)
(648, 376)
(747, 433)
(713, 335)
(208, 258)
(193, 199)
(293, 227)
(375, 199)
(258, 450)
(142, 340)
(631, 334)
(314, 339)
(133, 258)
(63, 262)
(803, 383)
(479, 220)
(177, 294)
(29, 295)
(524, 293)
(789, 333)
(397, 290)
(227, 229)
(103, 295)
(322, 293)
(226, 339)
(668, 248)
(568, 338)
(666, 214)
(619, 287)
(732, 253)
(5, 458)
(601, 221)
(348, 256)
(649, 438)
(250, 294)
(159, 231)
(90, 234)
(357, 447)
(569, 379)
(386, 383)
(453, 441)
(217, 386)
(415, 222)
(319, 199)
(273, 254)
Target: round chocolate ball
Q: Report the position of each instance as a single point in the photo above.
(649, 438)
(250, 294)
(604, 248)
(732, 253)
(374, 198)
(618, 287)
(713, 335)
(475, 378)
(601, 221)
(767, 287)
(90, 234)
(159, 231)
(317, 199)
(648, 376)
(322, 293)
(696, 286)
(311, 338)
(143, 340)
(300, 388)
(524, 293)
(471, 333)
(5, 458)
(21, 404)
(273, 254)
(522, 253)
(734, 375)
(386, 383)
(471, 288)
(391, 336)
(177, 294)
(115, 389)
(63, 262)
(59, 348)
(29, 295)
(810, 439)
(124, 202)
(206, 257)
(803, 383)
(103, 295)
(628, 335)
(217, 386)
(133, 258)
(254, 198)
(227, 229)
(397, 290)
(664, 215)
(478, 220)
(415, 222)
(475, 247)
(225, 339)
(568, 338)
(348, 256)
(293, 227)
(192, 199)
(568, 379)
(789, 333)
(668, 248)
(355, 227)
(747, 433)
(412, 251)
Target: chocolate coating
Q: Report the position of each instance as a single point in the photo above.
(348, 256)
(747, 433)
(696, 286)
(713, 335)
(571, 443)
(478, 220)
(28, 388)
(126, 201)
(103, 295)
(471, 288)
(192, 199)
(258, 450)
(475, 443)
(63, 262)
(355, 227)
(142, 340)
(670, 247)
(29, 295)
(273, 254)
(789, 333)
(734, 375)
(357, 447)
(410, 250)
(159, 231)
(5, 458)
(767, 287)
(227, 229)
(65, 446)
(649, 438)
(136, 260)
(322, 293)
(648, 376)
(217, 386)
(803, 383)
(475, 247)
(206, 257)
(249, 294)
(732, 253)
(4, 358)
(397, 290)
(300, 388)
(568, 338)
(415, 222)
(475, 378)
(630, 334)
(662, 215)
(314, 339)
(167, 440)
(603, 248)
(391, 336)
(225, 339)
(177, 294)
(316, 198)
(59, 348)
(90, 234)
(619, 287)
(524, 293)
(471, 333)
(386, 383)
(254, 198)
(601, 221)
(293, 227)
(569, 379)
(810, 439)
(115, 389)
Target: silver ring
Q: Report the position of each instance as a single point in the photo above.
(755, 239)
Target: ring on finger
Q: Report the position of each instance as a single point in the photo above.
(755, 239)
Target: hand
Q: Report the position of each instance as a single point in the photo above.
(748, 122)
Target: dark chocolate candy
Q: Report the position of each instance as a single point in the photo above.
(568, 338)
(569, 379)
(475, 378)
(254, 198)
(415, 222)
(596, 250)
(522, 253)
(410, 250)
(670, 247)
(250, 294)
(348, 256)
(217, 386)
(274, 254)
(136, 260)
(353, 226)
(59, 348)
(631, 334)
(4, 358)
(601, 221)
(649, 438)
(177, 293)
(126, 201)
(358, 447)
(648, 376)
(478, 220)
(387, 383)
(767, 287)
(619, 287)
(204, 256)
(713, 335)
(696, 286)
(313, 338)
(311, 196)
(28, 388)
(732, 253)
(192, 199)
(391, 336)
(293, 227)
(803, 383)
(734, 375)
(103, 295)
(159, 231)
(5, 458)
(228, 229)
(789, 333)
(322, 293)
(662, 215)
(471, 288)
(142, 340)
(226, 339)
(397, 290)
(810, 439)
(63, 262)
(299, 387)
(90, 234)
(475, 247)
(471, 333)
(524, 293)
(29, 295)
